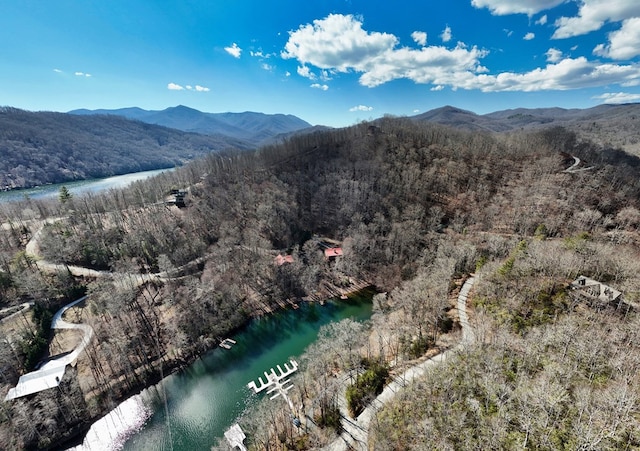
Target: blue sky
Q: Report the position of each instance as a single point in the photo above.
(331, 62)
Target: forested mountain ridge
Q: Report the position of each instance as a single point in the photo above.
(607, 125)
(44, 147)
(253, 128)
(417, 207)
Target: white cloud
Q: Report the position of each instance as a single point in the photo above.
(420, 37)
(529, 36)
(319, 86)
(416, 111)
(339, 44)
(305, 72)
(542, 20)
(553, 55)
(80, 74)
(287, 74)
(58, 71)
(623, 43)
(267, 67)
(618, 97)
(505, 7)
(336, 42)
(437, 88)
(567, 74)
(198, 88)
(361, 108)
(593, 14)
(446, 34)
(325, 75)
(257, 54)
(508, 32)
(233, 50)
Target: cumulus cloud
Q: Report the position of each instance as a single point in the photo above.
(305, 72)
(618, 97)
(446, 34)
(202, 88)
(553, 55)
(505, 7)
(339, 44)
(567, 74)
(58, 71)
(175, 87)
(319, 86)
(623, 43)
(233, 50)
(542, 20)
(336, 42)
(361, 108)
(529, 36)
(81, 74)
(437, 88)
(593, 14)
(420, 37)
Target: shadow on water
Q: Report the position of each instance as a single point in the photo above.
(206, 398)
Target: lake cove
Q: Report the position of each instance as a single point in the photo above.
(206, 398)
(79, 187)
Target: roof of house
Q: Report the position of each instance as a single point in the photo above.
(594, 289)
(282, 259)
(333, 252)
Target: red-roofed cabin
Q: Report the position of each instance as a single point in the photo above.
(333, 252)
(282, 259)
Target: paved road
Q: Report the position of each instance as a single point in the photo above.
(50, 374)
(355, 432)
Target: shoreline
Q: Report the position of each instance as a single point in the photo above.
(173, 366)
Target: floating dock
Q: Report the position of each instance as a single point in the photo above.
(227, 343)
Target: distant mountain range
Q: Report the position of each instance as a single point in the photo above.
(608, 125)
(254, 129)
(46, 147)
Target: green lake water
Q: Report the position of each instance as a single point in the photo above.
(205, 399)
(79, 187)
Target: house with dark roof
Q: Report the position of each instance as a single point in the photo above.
(594, 292)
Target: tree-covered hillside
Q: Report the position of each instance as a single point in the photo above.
(43, 147)
(415, 208)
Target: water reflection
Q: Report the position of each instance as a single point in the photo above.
(207, 397)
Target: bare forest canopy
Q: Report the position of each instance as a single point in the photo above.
(415, 206)
(43, 147)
